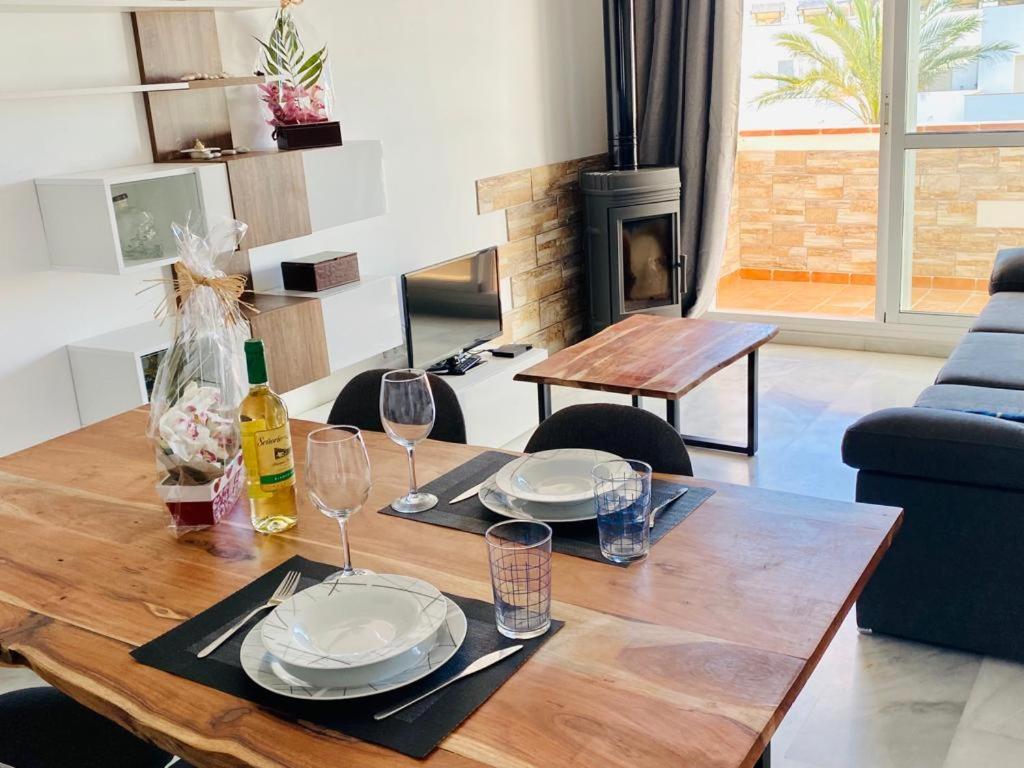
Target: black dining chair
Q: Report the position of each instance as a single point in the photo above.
(631, 433)
(358, 404)
(43, 728)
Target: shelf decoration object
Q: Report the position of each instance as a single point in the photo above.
(321, 271)
(300, 96)
(200, 383)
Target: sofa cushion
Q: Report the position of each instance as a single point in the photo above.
(1008, 271)
(1004, 313)
(986, 360)
(985, 400)
(947, 446)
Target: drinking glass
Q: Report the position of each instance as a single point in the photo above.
(623, 504)
(519, 552)
(338, 480)
(407, 412)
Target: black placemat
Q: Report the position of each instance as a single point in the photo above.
(578, 539)
(415, 731)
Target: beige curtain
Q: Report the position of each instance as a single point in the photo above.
(688, 82)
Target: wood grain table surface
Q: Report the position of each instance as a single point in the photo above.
(651, 356)
(690, 658)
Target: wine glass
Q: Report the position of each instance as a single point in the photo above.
(338, 480)
(407, 412)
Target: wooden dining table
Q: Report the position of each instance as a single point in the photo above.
(690, 658)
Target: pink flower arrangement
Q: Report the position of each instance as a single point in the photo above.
(294, 104)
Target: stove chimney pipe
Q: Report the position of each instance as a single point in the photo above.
(620, 78)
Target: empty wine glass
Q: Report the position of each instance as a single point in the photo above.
(338, 480)
(407, 412)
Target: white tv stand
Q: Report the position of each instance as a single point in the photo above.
(496, 408)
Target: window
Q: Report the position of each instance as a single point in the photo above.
(768, 14)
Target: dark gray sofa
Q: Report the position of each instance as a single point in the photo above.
(955, 573)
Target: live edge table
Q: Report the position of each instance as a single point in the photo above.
(690, 658)
(662, 357)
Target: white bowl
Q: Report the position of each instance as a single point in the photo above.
(268, 672)
(501, 503)
(562, 476)
(353, 622)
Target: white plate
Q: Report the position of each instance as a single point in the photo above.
(509, 506)
(561, 476)
(264, 670)
(354, 621)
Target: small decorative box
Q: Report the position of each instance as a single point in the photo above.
(197, 506)
(320, 271)
(308, 135)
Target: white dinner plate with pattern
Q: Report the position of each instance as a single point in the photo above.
(354, 621)
(264, 670)
(561, 476)
(518, 509)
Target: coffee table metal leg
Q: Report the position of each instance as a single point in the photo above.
(543, 401)
(750, 448)
(637, 401)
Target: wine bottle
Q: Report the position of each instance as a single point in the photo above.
(267, 449)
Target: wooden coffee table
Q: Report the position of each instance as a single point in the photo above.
(664, 357)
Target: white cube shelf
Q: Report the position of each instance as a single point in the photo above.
(361, 319)
(345, 184)
(113, 373)
(81, 224)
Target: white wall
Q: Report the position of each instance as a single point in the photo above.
(456, 89)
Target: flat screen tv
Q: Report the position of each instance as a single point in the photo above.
(450, 308)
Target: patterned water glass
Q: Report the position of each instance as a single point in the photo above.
(407, 413)
(623, 506)
(520, 556)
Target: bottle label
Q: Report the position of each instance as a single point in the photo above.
(274, 458)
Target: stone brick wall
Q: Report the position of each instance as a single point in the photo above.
(815, 211)
(541, 265)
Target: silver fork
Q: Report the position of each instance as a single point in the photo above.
(284, 590)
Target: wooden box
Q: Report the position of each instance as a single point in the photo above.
(308, 135)
(321, 271)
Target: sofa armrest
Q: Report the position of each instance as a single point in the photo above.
(949, 446)
(1008, 271)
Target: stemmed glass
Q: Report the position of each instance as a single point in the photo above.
(338, 480)
(407, 412)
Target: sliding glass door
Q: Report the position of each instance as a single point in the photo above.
(952, 154)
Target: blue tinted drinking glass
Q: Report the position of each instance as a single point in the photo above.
(623, 506)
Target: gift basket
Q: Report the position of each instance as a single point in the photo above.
(200, 383)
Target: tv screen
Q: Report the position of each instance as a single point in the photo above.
(451, 307)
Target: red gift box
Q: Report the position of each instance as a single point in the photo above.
(199, 506)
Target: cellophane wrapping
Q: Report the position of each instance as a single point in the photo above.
(201, 382)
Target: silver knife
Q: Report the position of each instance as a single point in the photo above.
(480, 664)
(468, 493)
(671, 500)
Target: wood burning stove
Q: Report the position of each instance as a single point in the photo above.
(632, 213)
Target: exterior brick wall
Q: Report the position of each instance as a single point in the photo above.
(541, 265)
(815, 211)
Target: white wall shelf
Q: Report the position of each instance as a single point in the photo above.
(107, 90)
(361, 319)
(113, 373)
(82, 227)
(136, 5)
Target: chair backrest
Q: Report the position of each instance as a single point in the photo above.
(631, 433)
(358, 404)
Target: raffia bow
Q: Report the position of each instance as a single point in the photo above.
(228, 289)
(286, 3)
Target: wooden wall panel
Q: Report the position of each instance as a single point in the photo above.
(268, 191)
(171, 44)
(292, 329)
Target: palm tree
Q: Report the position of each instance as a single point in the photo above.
(844, 54)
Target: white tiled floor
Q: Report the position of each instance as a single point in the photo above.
(873, 702)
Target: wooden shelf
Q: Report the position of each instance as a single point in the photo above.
(224, 82)
(136, 5)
